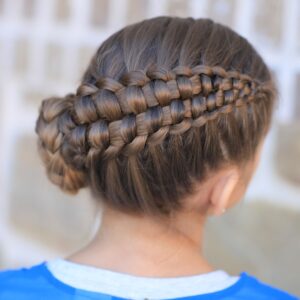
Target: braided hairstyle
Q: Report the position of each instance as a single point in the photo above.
(162, 102)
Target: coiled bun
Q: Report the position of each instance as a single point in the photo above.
(53, 127)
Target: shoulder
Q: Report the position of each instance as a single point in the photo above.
(260, 290)
(29, 283)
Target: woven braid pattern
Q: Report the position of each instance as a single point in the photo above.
(141, 108)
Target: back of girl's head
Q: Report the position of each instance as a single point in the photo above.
(162, 103)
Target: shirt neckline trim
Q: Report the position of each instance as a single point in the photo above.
(85, 278)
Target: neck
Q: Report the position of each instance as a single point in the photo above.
(147, 247)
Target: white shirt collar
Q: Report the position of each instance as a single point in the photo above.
(118, 284)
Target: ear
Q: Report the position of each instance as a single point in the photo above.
(222, 190)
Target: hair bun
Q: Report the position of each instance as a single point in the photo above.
(54, 126)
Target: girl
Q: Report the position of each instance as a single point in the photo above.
(166, 129)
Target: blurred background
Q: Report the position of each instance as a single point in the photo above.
(45, 46)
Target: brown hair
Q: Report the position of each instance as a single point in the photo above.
(162, 102)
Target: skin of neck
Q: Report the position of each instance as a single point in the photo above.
(145, 247)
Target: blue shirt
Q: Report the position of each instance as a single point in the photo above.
(37, 282)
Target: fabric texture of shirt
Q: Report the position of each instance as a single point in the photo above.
(63, 280)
